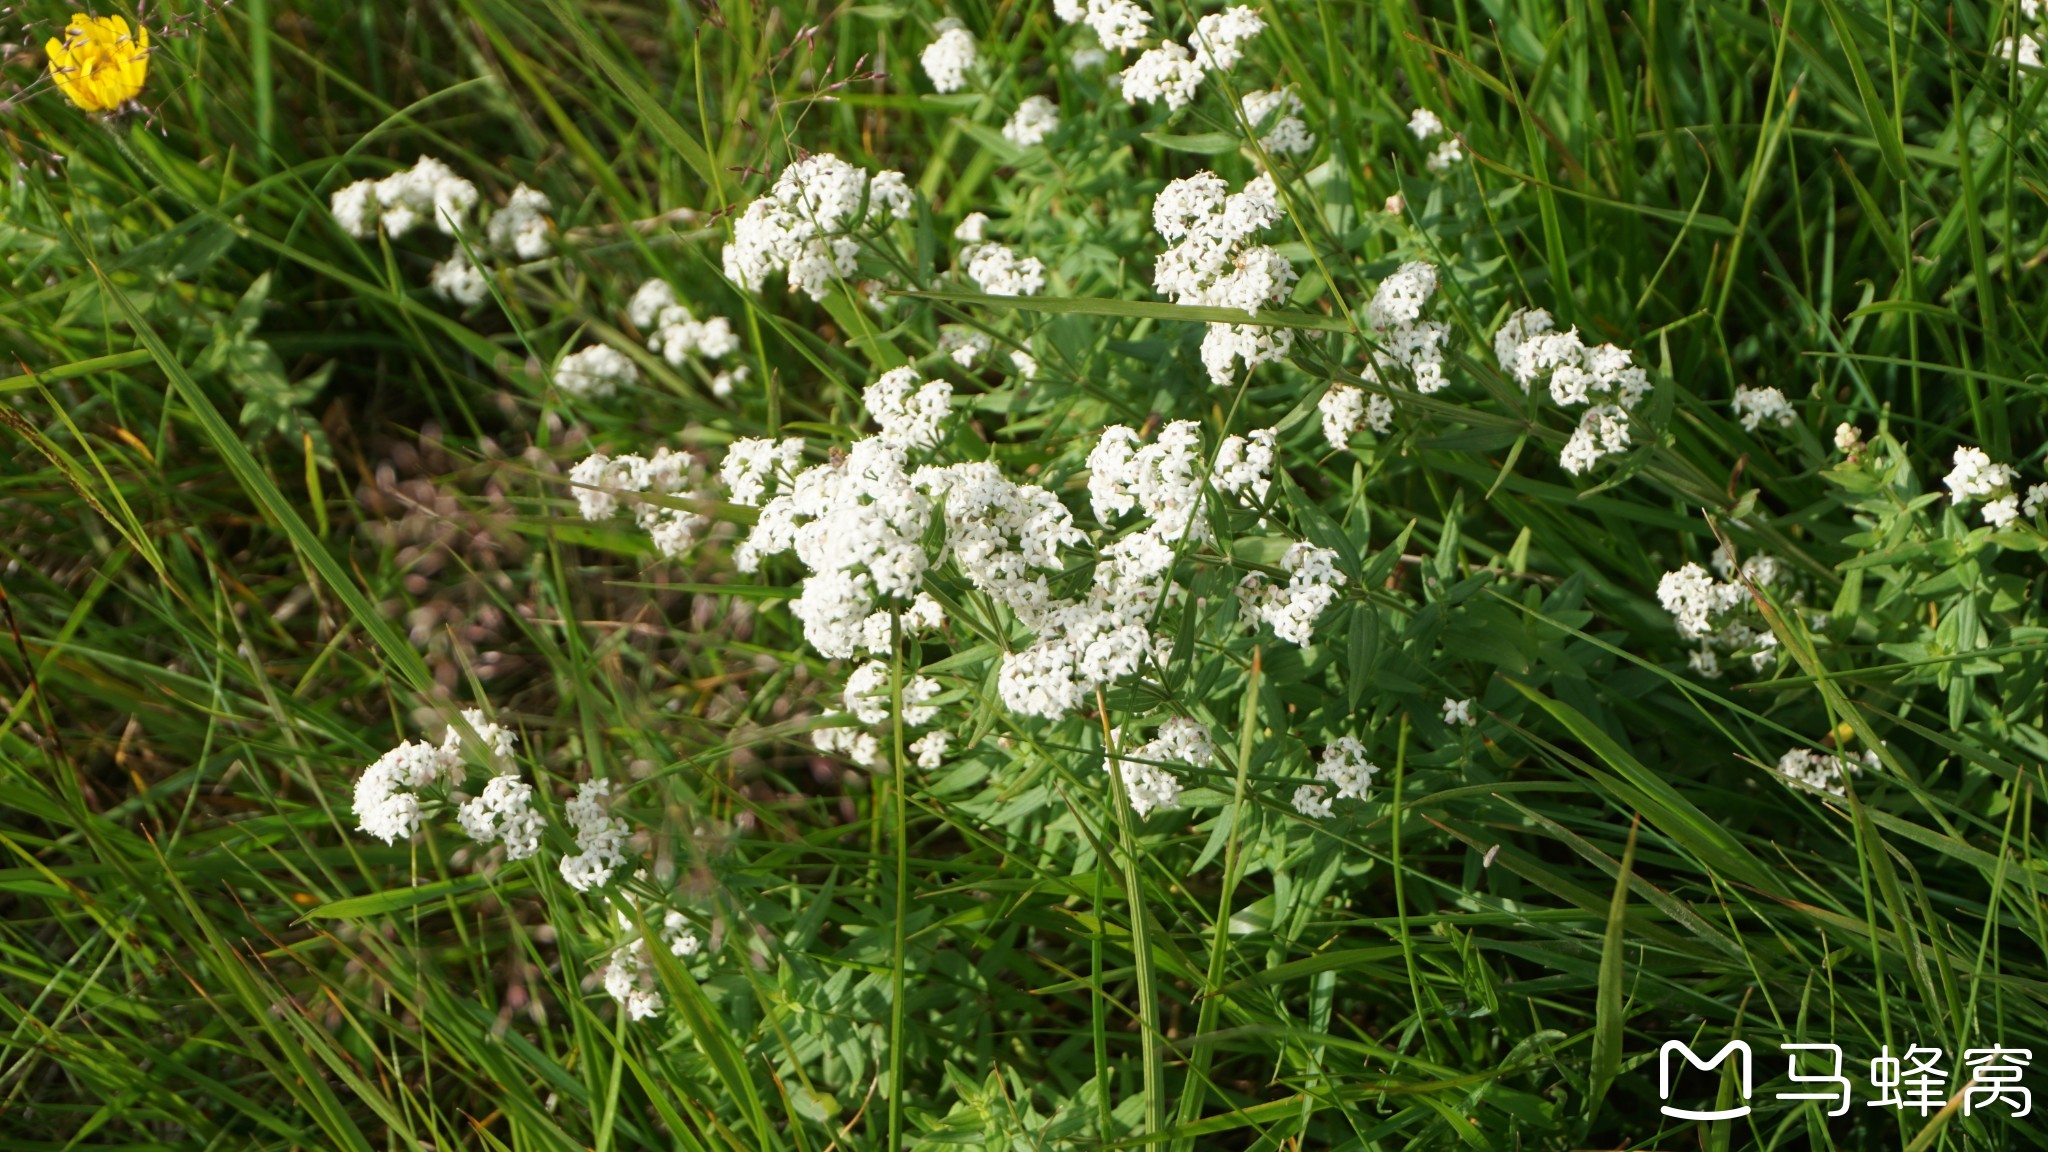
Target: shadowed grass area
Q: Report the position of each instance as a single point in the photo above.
(271, 507)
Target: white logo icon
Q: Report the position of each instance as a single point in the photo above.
(1742, 1066)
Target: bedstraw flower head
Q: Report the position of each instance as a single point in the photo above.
(805, 227)
(1165, 73)
(600, 837)
(521, 226)
(1755, 406)
(1035, 119)
(1220, 37)
(948, 59)
(595, 372)
(1121, 25)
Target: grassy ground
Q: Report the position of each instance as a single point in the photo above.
(270, 508)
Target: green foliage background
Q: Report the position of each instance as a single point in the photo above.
(266, 502)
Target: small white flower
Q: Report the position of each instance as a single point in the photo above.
(1345, 766)
(595, 372)
(1279, 112)
(458, 281)
(1035, 119)
(504, 812)
(1754, 406)
(973, 228)
(386, 801)
(600, 837)
(1975, 477)
(1025, 364)
(1220, 37)
(649, 301)
(1458, 712)
(1308, 800)
(521, 226)
(2026, 51)
(1447, 153)
(910, 411)
(1121, 25)
(1395, 205)
(428, 190)
(2037, 499)
(1165, 73)
(930, 749)
(682, 940)
(965, 345)
(1823, 772)
(855, 746)
(755, 467)
(948, 59)
(1848, 438)
(805, 227)
(998, 271)
(1147, 782)
(629, 979)
(353, 208)
(1424, 124)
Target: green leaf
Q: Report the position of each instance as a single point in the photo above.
(378, 903)
(1199, 143)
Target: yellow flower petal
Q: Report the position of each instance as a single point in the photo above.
(98, 63)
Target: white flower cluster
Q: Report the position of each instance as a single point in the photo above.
(948, 59)
(964, 345)
(629, 975)
(1408, 348)
(805, 226)
(596, 372)
(1214, 263)
(910, 410)
(1149, 784)
(866, 696)
(430, 190)
(1035, 119)
(1975, 477)
(998, 271)
(752, 466)
(458, 281)
(629, 979)
(1173, 73)
(679, 336)
(1754, 406)
(1293, 609)
(1426, 126)
(1244, 466)
(2025, 51)
(387, 794)
(1823, 772)
(1605, 377)
(1713, 611)
(521, 227)
(1120, 24)
(600, 837)
(1343, 766)
(600, 479)
(857, 524)
(1278, 112)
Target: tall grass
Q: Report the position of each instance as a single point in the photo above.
(232, 581)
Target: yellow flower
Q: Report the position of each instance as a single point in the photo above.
(97, 63)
